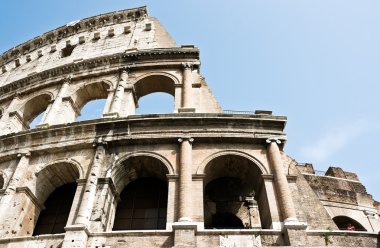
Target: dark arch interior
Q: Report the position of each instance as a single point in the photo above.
(225, 194)
(54, 217)
(231, 184)
(1, 181)
(226, 221)
(343, 223)
(143, 205)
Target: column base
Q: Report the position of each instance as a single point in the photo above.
(75, 236)
(184, 234)
(43, 125)
(293, 223)
(185, 219)
(186, 110)
(111, 115)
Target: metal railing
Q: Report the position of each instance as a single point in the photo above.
(319, 173)
(227, 111)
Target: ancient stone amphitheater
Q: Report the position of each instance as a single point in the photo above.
(196, 177)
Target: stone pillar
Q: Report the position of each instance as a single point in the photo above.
(281, 183)
(77, 235)
(172, 207)
(197, 200)
(88, 198)
(119, 93)
(13, 205)
(9, 122)
(130, 101)
(294, 231)
(107, 106)
(187, 88)
(185, 179)
(51, 113)
(19, 173)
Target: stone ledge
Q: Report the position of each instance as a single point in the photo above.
(240, 231)
(38, 237)
(131, 233)
(341, 233)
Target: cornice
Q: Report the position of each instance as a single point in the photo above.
(137, 59)
(72, 28)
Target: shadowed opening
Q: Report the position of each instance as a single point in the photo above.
(143, 205)
(54, 217)
(144, 194)
(230, 198)
(348, 224)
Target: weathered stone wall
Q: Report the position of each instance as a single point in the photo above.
(121, 57)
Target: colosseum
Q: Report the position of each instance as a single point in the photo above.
(196, 177)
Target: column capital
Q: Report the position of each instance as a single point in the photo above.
(182, 139)
(125, 69)
(67, 80)
(24, 154)
(99, 142)
(188, 66)
(270, 140)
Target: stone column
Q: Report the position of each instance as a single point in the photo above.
(119, 93)
(88, 198)
(185, 179)
(51, 113)
(187, 88)
(281, 183)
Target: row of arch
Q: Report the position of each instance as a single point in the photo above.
(230, 200)
(37, 106)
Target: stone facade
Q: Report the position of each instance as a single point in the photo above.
(215, 179)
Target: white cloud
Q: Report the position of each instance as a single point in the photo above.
(335, 139)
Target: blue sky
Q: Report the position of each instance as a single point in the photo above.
(317, 62)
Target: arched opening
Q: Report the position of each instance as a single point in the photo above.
(55, 186)
(143, 205)
(149, 94)
(348, 224)
(34, 109)
(155, 103)
(143, 199)
(54, 217)
(92, 110)
(93, 94)
(37, 120)
(231, 184)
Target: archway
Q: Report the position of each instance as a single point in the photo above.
(54, 217)
(90, 94)
(55, 187)
(143, 199)
(153, 91)
(231, 184)
(347, 223)
(35, 107)
(92, 110)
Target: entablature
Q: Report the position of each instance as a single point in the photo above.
(145, 129)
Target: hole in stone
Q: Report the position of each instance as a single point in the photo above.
(67, 51)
